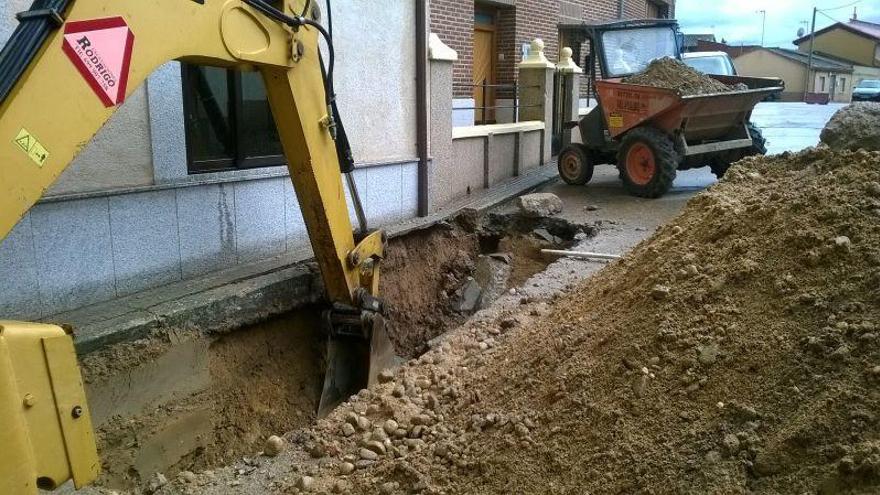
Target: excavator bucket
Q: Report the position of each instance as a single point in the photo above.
(354, 363)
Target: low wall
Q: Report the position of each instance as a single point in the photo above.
(486, 155)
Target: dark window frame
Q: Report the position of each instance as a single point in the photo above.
(238, 160)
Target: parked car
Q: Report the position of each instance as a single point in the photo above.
(716, 63)
(867, 90)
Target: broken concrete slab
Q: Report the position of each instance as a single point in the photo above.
(540, 205)
(545, 235)
(492, 273)
(471, 296)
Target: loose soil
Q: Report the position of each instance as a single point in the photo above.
(183, 401)
(670, 73)
(735, 351)
(425, 270)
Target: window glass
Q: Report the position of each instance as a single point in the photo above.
(229, 123)
(484, 18)
(711, 65)
(630, 51)
(258, 134)
(207, 117)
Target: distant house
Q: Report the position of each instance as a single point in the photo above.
(857, 42)
(691, 41)
(830, 76)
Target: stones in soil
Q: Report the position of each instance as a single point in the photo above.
(710, 337)
(708, 360)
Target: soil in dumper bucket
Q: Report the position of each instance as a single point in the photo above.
(669, 73)
(735, 351)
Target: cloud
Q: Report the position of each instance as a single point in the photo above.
(738, 21)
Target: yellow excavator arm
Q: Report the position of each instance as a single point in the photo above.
(66, 69)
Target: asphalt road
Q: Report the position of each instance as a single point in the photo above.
(625, 220)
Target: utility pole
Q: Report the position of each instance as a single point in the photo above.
(807, 83)
(763, 24)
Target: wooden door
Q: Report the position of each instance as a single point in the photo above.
(484, 74)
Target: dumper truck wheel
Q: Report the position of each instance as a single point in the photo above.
(575, 165)
(759, 142)
(758, 147)
(648, 162)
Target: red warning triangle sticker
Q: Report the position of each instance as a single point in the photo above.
(101, 51)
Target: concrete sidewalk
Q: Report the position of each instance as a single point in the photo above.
(246, 294)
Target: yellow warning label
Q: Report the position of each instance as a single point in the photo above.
(615, 120)
(27, 143)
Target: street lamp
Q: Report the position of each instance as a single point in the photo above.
(763, 24)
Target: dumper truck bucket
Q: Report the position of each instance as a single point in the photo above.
(700, 117)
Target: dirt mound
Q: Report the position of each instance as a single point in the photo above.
(669, 73)
(853, 127)
(736, 351)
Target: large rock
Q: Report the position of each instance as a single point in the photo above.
(492, 274)
(471, 296)
(853, 127)
(540, 205)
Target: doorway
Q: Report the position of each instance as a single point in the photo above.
(485, 48)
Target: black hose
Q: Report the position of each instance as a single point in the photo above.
(27, 39)
(296, 22)
(343, 146)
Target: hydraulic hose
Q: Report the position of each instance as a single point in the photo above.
(35, 26)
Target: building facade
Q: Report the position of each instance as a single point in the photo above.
(827, 76)
(187, 179)
(492, 36)
(185, 186)
(855, 42)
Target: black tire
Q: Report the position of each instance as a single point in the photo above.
(658, 181)
(575, 165)
(759, 147)
(759, 142)
(719, 167)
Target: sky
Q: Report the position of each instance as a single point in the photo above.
(739, 22)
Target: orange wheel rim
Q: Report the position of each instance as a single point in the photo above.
(570, 165)
(640, 164)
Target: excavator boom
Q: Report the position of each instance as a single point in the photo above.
(69, 66)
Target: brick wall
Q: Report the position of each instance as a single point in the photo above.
(453, 21)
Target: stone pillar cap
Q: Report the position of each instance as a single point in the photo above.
(437, 50)
(566, 64)
(536, 58)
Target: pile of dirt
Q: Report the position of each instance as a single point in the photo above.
(854, 127)
(670, 73)
(736, 351)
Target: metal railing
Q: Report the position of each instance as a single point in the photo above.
(487, 114)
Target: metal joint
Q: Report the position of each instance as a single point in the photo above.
(51, 14)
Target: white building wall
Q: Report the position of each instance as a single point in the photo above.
(126, 216)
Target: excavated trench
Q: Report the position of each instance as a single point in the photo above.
(182, 400)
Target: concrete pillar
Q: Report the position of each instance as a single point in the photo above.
(570, 74)
(536, 93)
(440, 59)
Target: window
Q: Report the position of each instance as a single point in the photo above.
(656, 10)
(843, 85)
(628, 52)
(822, 83)
(229, 124)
